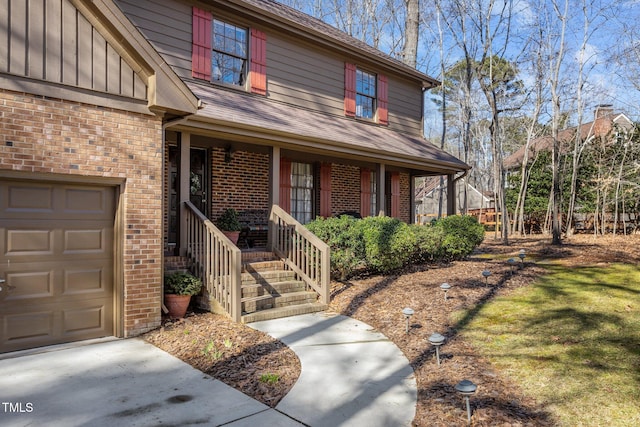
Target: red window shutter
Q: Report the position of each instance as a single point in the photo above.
(325, 190)
(285, 184)
(349, 89)
(258, 78)
(365, 192)
(201, 46)
(383, 96)
(395, 194)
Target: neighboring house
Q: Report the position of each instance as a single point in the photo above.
(427, 199)
(604, 122)
(122, 118)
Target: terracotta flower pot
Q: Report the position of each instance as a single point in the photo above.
(232, 235)
(177, 304)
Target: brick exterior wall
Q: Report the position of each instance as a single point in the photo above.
(62, 137)
(405, 197)
(345, 188)
(242, 184)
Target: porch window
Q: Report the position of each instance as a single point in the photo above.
(373, 211)
(302, 192)
(229, 56)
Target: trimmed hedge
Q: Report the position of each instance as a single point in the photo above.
(383, 244)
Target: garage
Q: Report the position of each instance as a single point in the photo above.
(56, 263)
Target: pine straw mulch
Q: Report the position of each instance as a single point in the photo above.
(240, 356)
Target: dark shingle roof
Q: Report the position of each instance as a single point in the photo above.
(305, 128)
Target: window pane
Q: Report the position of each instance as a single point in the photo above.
(365, 94)
(229, 54)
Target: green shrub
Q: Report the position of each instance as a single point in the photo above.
(180, 283)
(389, 243)
(343, 235)
(462, 234)
(429, 241)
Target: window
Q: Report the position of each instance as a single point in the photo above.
(229, 53)
(302, 192)
(374, 194)
(365, 94)
(225, 53)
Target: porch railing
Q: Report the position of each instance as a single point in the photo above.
(302, 251)
(216, 260)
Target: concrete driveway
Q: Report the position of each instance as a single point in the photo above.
(120, 383)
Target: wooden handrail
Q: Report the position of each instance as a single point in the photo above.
(302, 251)
(216, 261)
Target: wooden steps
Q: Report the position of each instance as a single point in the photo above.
(269, 291)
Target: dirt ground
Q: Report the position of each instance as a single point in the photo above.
(265, 369)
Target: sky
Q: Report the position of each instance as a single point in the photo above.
(612, 25)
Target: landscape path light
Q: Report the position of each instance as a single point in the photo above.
(511, 263)
(486, 274)
(408, 312)
(521, 255)
(436, 340)
(445, 287)
(466, 388)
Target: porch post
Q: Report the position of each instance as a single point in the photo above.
(381, 189)
(451, 195)
(274, 188)
(184, 142)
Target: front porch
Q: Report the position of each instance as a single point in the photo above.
(276, 189)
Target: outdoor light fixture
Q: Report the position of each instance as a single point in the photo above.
(511, 262)
(408, 312)
(445, 287)
(521, 255)
(436, 340)
(486, 274)
(466, 388)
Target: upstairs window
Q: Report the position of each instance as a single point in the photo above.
(226, 53)
(365, 94)
(229, 53)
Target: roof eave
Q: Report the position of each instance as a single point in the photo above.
(241, 132)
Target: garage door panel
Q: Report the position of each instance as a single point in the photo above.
(87, 241)
(84, 321)
(87, 281)
(29, 198)
(21, 199)
(87, 201)
(56, 254)
(24, 242)
(28, 286)
(21, 328)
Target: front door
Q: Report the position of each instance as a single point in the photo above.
(199, 185)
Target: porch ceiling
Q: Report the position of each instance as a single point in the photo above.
(240, 116)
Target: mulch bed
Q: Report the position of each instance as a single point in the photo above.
(240, 356)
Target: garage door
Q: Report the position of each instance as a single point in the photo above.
(56, 261)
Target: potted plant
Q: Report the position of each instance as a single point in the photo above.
(179, 287)
(229, 224)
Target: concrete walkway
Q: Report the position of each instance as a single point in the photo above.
(351, 376)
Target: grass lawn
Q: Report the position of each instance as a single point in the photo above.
(572, 341)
